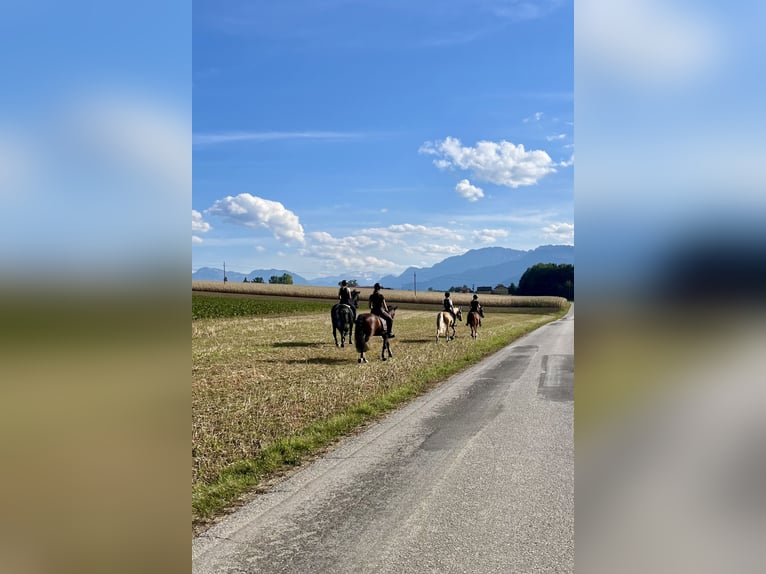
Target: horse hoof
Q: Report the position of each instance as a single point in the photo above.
(384, 358)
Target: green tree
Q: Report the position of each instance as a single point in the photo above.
(245, 280)
(284, 279)
(257, 279)
(548, 279)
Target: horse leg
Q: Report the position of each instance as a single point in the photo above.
(335, 335)
(383, 349)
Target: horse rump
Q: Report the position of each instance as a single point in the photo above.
(360, 339)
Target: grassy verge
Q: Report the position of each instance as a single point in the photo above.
(270, 391)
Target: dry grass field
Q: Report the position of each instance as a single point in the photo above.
(268, 390)
(393, 296)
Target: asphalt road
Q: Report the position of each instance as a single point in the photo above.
(476, 476)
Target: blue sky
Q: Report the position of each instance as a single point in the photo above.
(353, 137)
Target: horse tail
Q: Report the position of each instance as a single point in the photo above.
(360, 342)
(440, 326)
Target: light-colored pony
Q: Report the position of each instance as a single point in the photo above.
(445, 323)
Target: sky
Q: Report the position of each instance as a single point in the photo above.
(357, 137)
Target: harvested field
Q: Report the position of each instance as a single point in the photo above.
(261, 380)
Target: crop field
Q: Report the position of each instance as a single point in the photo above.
(393, 296)
(270, 388)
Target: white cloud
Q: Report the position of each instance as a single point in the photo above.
(468, 191)
(501, 163)
(560, 232)
(383, 249)
(198, 224)
(432, 249)
(556, 137)
(253, 211)
(567, 163)
(536, 117)
(488, 235)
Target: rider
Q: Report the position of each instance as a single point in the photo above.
(449, 307)
(344, 296)
(379, 307)
(476, 306)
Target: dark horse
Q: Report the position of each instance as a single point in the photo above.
(369, 325)
(343, 319)
(474, 322)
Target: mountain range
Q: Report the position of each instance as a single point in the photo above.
(489, 266)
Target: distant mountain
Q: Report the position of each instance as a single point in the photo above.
(215, 274)
(490, 266)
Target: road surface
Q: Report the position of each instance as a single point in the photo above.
(476, 476)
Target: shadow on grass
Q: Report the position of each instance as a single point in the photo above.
(313, 361)
(301, 344)
(324, 361)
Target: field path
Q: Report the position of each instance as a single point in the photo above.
(475, 476)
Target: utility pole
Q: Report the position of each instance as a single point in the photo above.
(415, 282)
(225, 279)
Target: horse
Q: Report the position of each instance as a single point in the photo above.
(445, 322)
(474, 322)
(343, 319)
(369, 325)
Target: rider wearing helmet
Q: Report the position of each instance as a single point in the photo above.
(449, 307)
(476, 306)
(344, 296)
(379, 307)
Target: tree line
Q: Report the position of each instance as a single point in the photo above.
(284, 279)
(549, 279)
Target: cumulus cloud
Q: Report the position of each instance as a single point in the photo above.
(199, 226)
(560, 232)
(488, 235)
(501, 163)
(380, 248)
(251, 211)
(465, 189)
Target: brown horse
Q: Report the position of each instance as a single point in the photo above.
(445, 322)
(474, 322)
(369, 325)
